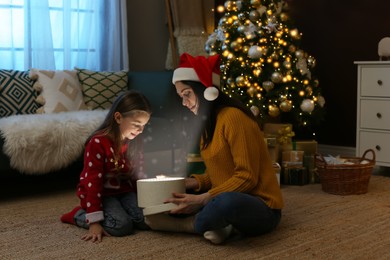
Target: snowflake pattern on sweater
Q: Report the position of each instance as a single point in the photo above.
(103, 175)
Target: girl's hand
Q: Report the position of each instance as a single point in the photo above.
(188, 203)
(95, 233)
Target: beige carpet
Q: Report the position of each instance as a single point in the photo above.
(315, 225)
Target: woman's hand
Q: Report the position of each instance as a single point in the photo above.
(191, 183)
(188, 203)
(95, 233)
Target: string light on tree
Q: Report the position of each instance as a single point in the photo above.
(263, 63)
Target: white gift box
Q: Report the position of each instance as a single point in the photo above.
(153, 191)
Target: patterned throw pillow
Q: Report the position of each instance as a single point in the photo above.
(17, 95)
(100, 88)
(60, 91)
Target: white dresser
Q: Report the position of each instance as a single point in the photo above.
(373, 110)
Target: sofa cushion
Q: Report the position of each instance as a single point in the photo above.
(101, 87)
(17, 95)
(60, 90)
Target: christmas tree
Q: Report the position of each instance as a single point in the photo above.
(263, 65)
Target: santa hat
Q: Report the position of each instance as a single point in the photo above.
(200, 69)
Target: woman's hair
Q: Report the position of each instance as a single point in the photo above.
(208, 110)
(127, 103)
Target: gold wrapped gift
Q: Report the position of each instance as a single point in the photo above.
(282, 132)
(308, 146)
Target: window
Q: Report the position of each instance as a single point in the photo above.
(62, 34)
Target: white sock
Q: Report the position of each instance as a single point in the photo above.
(218, 236)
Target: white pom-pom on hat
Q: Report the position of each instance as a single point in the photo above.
(211, 93)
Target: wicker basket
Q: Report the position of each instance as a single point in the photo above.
(345, 179)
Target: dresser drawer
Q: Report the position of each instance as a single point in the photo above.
(379, 142)
(375, 114)
(375, 81)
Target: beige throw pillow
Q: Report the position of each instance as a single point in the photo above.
(59, 90)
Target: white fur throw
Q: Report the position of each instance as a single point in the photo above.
(41, 143)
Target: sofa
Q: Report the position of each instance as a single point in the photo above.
(39, 142)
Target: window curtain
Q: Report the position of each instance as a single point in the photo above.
(57, 34)
(191, 29)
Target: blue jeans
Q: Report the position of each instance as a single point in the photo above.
(121, 213)
(246, 213)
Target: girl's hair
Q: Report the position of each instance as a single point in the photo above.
(127, 103)
(208, 111)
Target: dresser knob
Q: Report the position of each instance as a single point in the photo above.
(380, 82)
(377, 147)
(378, 115)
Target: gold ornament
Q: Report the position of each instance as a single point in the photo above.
(283, 17)
(268, 85)
(273, 110)
(255, 3)
(254, 15)
(240, 81)
(287, 64)
(285, 106)
(230, 5)
(236, 46)
(276, 77)
(251, 91)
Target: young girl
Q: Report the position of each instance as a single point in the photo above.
(108, 200)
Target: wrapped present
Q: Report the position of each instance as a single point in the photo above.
(308, 146)
(292, 158)
(282, 132)
(283, 135)
(273, 148)
(296, 175)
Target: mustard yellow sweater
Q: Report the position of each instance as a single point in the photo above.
(237, 159)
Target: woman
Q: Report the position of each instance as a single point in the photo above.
(239, 189)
